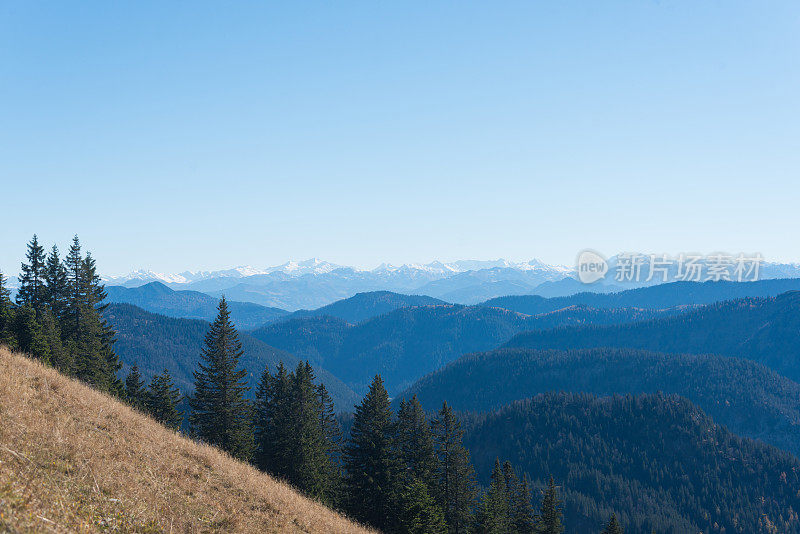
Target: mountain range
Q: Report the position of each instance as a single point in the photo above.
(314, 283)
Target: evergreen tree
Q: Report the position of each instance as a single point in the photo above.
(456, 486)
(29, 335)
(312, 469)
(32, 279)
(221, 415)
(613, 526)
(73, 264)
(95, 295)
(522, 512)
(55, 289)
(371, 463)
(495, 515)
(135, 392)
(273, 423)
(415, 444)
(162, 400)
(420, 514)
(58, 356)
(6, 314)
(549, 521)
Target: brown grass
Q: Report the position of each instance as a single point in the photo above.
(75, 460)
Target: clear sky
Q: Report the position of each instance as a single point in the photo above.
(185, 135)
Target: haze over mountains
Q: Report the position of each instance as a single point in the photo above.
(314, 283)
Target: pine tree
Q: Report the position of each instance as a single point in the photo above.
(420, 514)
(522, 512)
(370, 461)
(162, 400)
(495, 515)
(415, 444)
(55, 290)
(221, 415)
(95, 295)
(6, 314)
(58, 356)
(32, 279)
(135, 392)
(456, 486)
(73, 264)
(29, 335)
(613, 526)
(549, 521)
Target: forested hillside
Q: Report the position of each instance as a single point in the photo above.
(154, 342)
(655, 297)
(764, 330)
(366, 305)
(748, 398)
(657, 462)
(405, 344)
(157, 298)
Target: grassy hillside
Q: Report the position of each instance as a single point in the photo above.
(748, 398)
(73, 459)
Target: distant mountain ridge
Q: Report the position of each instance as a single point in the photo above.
(157, 298)
(314, 283)
(155, 342)
(750, 399)
(764, 330)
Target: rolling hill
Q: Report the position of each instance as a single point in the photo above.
(363, 306)
(761, 329)
(157, 298)
(750, 399)
(654, 297)
(75, 460)
(407, 343)
(154, 342)
(656, 461)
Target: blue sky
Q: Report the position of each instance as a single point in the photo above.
(206, 135)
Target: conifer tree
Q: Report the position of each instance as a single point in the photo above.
(549, 521)
(221, 415)
(495, 515)
(55, 289)
(135, 392)
(273, 423)
(522, 512)
(32, 279)
(162, 400)
(58, 356)
(420, 513)
(73, 264)
(29, 335)
(456, 486)
(312, 469)
(370, 459)
(613, 526)
(6, 314)
(415, 444)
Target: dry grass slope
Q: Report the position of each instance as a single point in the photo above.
(75, 460)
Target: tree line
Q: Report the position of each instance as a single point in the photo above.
(400, 472)
(55, 316)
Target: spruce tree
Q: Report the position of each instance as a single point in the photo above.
(370, 460)
(135, 392)
(6, 314)
(162, 400)
(221, 415)
(55, 290)
(73, 264)
(28, 333)
(522, 512)
(456, 486)
(613, 526)
(549, 520)
(273, 423)
(420, 513)
(495, 515)
(58, 356)
(32, 279)
(415, 444)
